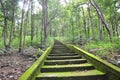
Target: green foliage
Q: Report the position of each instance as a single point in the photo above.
(15, 42)
(49, 41)
(1, 43)
(103, 48)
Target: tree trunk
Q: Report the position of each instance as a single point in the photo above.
(32, 23)
(72, 27)
(45, 17)
(21, 28)
(100, 14)
(26, 25)
(100, 29)
(5, 24)
(84, 21)
(13, 22)
(91, 23)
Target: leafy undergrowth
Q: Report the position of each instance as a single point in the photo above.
(13, 64)
(106, 50)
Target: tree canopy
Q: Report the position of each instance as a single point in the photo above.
(35, 22)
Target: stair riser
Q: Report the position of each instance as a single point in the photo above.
(65, 62)
(62, 54)
(60, 47)
(67, 69)
(60, 51)
(63, 58)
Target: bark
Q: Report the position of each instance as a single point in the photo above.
(32, 23)
(45, 17)
(26, 25)
(21, 28)
(72, 27)
(100, 14)
(5, 24)
(84, 21)
(91, 22)
(13, 22)
(37, 33)
(100, 29)
(41, 33)
(50, 30)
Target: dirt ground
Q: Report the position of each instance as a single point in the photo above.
(13, 64)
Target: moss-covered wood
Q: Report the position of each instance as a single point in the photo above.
(34, 70)
(77, 75)
(113, 72)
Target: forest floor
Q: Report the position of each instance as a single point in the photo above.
(13, 63)
(109, 56)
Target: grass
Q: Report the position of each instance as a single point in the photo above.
(15, 42)
(103, 48)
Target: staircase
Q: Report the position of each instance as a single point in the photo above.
(64, 64)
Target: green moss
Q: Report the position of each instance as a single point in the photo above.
(69, 65)
(97, 59)
(66, 74)
(32, 72)
(100, 64)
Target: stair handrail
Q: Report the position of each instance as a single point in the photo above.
(112, 71)
(32, 71)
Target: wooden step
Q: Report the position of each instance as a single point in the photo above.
(63, 68)
(64, 54)
(61, 51)
(63, 57)
(76, 75)
(63, 62)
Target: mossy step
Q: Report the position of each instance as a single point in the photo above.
(64, 68)
(63, 62)
(65, 54)
(60, 51)
(61, 57)
(60, 47)
(77, 75)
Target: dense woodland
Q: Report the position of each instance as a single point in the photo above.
(29, 26)
(35, 22)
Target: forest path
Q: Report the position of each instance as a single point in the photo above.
(68, 62)
(64, 64)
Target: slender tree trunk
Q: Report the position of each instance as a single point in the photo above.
(5, 24)
(100, 29)
(21, 28)
(100, 14)
(37, 33)
(45, 17)
(32, 23)
(91, 22)
(84, 21)
(26, 22)
(50, 30)
(13, 22)
(88, 28)
(41, 33)
(72, 27)
(5, 32)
